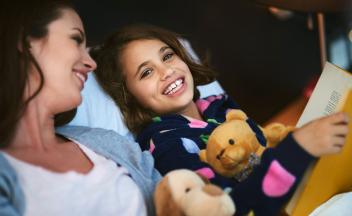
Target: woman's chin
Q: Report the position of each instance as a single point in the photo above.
(72, 103)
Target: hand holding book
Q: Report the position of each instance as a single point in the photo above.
(325, 135)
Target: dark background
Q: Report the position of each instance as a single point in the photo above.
(264, 63)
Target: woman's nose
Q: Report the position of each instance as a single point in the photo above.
(89, 63)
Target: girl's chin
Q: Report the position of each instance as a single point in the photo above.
(184, 98)
(180, 107)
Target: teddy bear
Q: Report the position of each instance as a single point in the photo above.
(183, 192)
(235, 146)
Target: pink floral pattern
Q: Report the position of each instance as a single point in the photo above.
(151, 146)
(277, 181)
(195, 123)
(206, 172)
(203, 104)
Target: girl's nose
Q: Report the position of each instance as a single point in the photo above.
(166, 73)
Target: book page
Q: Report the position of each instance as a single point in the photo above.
(331, 86)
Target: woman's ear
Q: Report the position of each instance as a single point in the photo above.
(22, 43)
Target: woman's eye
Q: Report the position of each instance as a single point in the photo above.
(145, 73)
(168, 56)
(78, 39)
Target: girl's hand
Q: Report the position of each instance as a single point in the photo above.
(323, 136)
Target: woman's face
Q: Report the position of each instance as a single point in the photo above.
(65, 62)
(157, 77)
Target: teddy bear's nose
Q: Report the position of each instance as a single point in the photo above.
(212, 190)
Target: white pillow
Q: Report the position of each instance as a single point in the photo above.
(338, 205)
(98, 110)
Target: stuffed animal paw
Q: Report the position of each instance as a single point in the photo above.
(185, 193)
(234, 147)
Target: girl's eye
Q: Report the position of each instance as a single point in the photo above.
(168, 56)
(78, 39)
(146, 73)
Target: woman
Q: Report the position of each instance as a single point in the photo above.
(44, 64)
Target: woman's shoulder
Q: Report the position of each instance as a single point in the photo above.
(71, 131)
(110, 144)
(11, 196)
(99, 139)
(6, 169)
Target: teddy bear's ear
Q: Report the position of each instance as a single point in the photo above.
(236, 114)
(164, 203)
(203, 155)
(275, 132)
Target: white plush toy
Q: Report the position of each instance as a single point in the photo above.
(183, 192)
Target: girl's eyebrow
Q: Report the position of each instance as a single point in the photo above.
(162, 49)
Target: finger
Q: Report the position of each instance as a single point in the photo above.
(339, 130)
(335, 149)
(339, 118)
(338, 141)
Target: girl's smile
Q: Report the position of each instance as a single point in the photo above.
(175, 88)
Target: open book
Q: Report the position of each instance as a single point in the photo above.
(331, 174)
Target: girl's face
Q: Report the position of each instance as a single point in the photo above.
(65, 62)
(157, 77)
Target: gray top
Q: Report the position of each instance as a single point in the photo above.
(104, 142)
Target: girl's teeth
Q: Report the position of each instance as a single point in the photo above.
(173, 87)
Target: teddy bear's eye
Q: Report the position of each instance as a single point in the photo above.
(231, 141)
(187, 190)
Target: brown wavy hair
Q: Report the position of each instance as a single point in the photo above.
(19, 22)
(110, 75)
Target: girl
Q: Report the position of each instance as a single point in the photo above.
(148, 73)
(73, 171)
